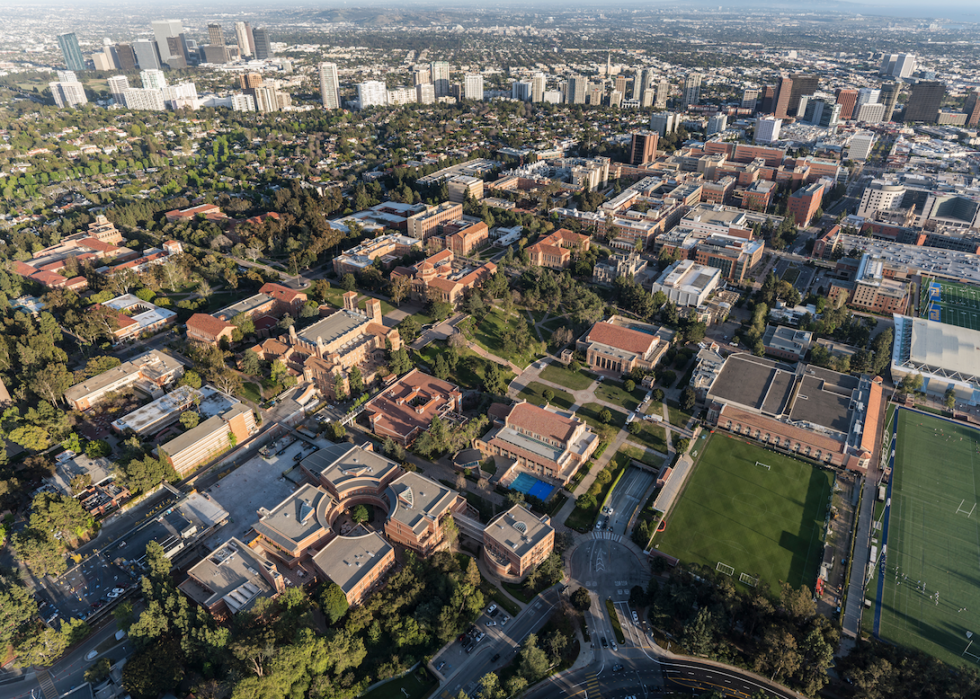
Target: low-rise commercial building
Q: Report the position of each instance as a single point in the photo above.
(787, 343)
(387, 248)
(231, 578)
(945, 356)
(355, 563)
(209, 439)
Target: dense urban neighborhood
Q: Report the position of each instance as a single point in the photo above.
(479, 353)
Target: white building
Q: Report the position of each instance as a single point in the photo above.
(904, 65)
(372, 93)
(242, 103)
(68, 94)
(861, 144)
(241, 35)
(137, 98)
(692, 89)
(473, 87)
(329, 86)
(871, 113)
(767, 130)
(538, 83)
(664, 123)
(117, 85)
(687, 283)
(161, 30)
(521, 90)
(425, 93)
(439, 72)
(551, 96)
(402, 95)
(945, 356)
(717, 124)
(153, 79)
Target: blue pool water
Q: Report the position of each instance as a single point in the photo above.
(529, 485)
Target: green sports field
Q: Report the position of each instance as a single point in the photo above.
(767, 523)
(959, 304)
(933, 540)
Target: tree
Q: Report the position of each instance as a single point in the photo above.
(629, 385)
(190, 419)
(688, 399)
(534, 663)
(17, 606)
(605, 416)
(51, 381)
(250, 363)
(548, 395)
(561, 337)
(493, 380)
(441, 368)
(699, 634)
(154, 670)
(450, 531)
(360, 514)
(190, 378)
(398, 290)
(333, 602)
(348, 282)
(400, 362)
(910, 383)
(950, 398)
(59, 515)
(99, 671)
(335, 431)
(581, 599)
(356, 380)
(278, 370)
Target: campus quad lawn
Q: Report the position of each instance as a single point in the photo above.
(575, 380)
(766, 523)
(472, 367)
(932, 537)
(534, 393)
(613, 392)
(489, 334)
(590, 413)
(651, 435)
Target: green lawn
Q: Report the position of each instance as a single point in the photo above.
(335, 296)
(252, 392)
(575, 380)
(767, 523)
(932, 532)
(471, 369)
(791, 275)
(590, 413)
(534, 393)
(489, 334)
(408, 687)
(641, 455)
(651, 435)
(613, 392)
(678, 417)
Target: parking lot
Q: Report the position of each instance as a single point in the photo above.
(474, 638)
(257, 483)
(85, 588)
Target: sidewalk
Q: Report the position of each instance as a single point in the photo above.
(495, 581)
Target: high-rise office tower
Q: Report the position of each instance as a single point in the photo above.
(596, 90)
(164, 29)
(538, 83)
(664, 123)
(888, 62)
(147, 54)
(421, 76)
(118, 84)
(615, 98)
(521, 90)
(104, 59)
(372, 93)
(972, 108)
(439, 71)
(621, 84)
(784, 92)
(643, 147)
(577, 86)
(329, 86)
(847, 99)
(216, 37)
(153, 79)
(177, 50)
(692, 89)
(750, 98)
(924, 102)
(803, 85)
(646, 100)
(68, 93)
(243, 35)
(767, 100)
(263, 45)
(663, 91)
(870, 113)
(639, 84)
(821, 112)
(71, 51)
(473, 87)
(249, 81)
(767, 129)
(904, 65)
(125, 57)
(889, 98)
(867, 95)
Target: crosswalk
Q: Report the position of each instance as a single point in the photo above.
(47, 685)
(592, 686)
(607, 536)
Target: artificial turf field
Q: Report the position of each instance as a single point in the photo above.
(932, 534)
(959, 304)
(765, 523)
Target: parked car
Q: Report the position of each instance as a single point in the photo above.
(636, 619)
(491, 608)
(605, 643)
(440, 666)
(495, 658)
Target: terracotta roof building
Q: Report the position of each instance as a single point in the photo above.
(621, 345)
(442, 274)
(405, 409)
(555, 250)
(549, 444)
(205, 328)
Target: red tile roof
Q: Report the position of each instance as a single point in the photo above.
(207, 325)
(282, 293)
(621, 338)
(542, 422)
(402, 419)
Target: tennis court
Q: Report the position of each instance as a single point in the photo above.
(958, 304)
(749, 511)
(529, 485)
(929, 580)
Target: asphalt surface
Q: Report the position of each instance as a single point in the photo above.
(627, 496)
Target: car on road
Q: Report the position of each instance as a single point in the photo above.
(491, 623)
(614, 646)
(605, 643)
(495, 658)
(617, 668)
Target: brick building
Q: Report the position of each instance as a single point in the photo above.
(555, 250)
(804, 202)
(406, 408)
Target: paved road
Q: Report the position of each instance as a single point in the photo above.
(627, 497)
(465, 671)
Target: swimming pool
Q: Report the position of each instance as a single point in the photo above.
(529, 485)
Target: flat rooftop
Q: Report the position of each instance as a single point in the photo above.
(296, 518)
(231, 572)
(518, 530)
(333, 327)
(414, 499)
(348, 559)
(946, 347)
(347, 466)
(154, 363)
(246, 306)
